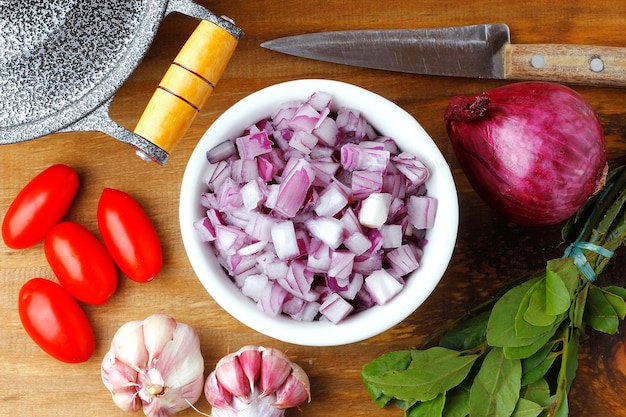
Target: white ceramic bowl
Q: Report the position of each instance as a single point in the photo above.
(389, 120)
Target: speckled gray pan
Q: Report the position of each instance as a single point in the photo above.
(61, 62)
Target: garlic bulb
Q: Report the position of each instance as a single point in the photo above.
(155, 364)
(256, 382)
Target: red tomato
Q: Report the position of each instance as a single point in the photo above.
(41, 204)
(55, 321)
(81, 263)
(129, 235)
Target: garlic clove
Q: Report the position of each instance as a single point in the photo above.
(275, 368)
(174, 399)
(215, 394)
(181, 360)
(116, 375)
(119, 379)
(127, 399)
(158, 329)
(250, 359)
(230, 375)
(295, 390)
(151, 383)
(128, 346)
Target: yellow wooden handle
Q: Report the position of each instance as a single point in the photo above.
(186, 85)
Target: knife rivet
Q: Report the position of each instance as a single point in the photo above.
(537, 61)
(596, 64)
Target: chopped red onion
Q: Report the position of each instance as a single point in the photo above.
(221, 152)
(294, 187)
(331, 201)
(335, 308)
(284, 238)
(382, 286)
(253, 145)
(356, 157)
(422, 210)
(403, 259)
(313, 214)
(374, 210)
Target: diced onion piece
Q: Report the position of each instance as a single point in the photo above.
(365, 183)
(253, 145)
(221, 152)
(205, 229)
(403, 260)
(254, 285)
(392, 235)
(319, 256)
(414, 169)
(252, 248)
(356, 157)
(353, 287)
(341, 264)
(253, 193)
(374, 210)
(272, 298)
(293, 190)
(422, 211)
(382, 286)
(331, 201)
(284, 239)
(357, 243)
(327, 229)
(335, 308)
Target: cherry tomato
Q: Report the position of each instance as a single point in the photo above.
(55, 321)
(39, 205)
(129, 235)
(80, 262)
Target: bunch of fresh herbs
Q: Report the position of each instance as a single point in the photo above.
(519, 357)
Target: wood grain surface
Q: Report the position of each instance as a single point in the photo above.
(490, 251)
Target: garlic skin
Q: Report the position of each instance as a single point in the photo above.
(155, 364)
(256, 382)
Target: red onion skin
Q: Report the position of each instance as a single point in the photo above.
(534, 151)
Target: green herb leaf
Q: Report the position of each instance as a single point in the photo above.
(457, 403)
(432, 408)
(468, 334)
(537, 392)
(600, 313)
(562, 279)
(535, 313)
(616, 301)
(430, 373)
(501, 326)
(526, 408)
(619, 291)
(577, 314)
(536, 366)
(522, 352)
(496, 388)
(388, 362)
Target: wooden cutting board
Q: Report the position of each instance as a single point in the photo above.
(489, 252)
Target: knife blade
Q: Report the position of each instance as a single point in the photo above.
(474, 51)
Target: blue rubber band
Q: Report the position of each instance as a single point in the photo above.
(574, 250)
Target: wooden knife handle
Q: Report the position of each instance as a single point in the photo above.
(186, 85)
(576, 64)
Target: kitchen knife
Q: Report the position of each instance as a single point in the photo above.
(476, 51)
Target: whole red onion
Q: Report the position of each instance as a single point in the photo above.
(532, 150)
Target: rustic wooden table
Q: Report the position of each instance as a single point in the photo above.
(489, 252)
